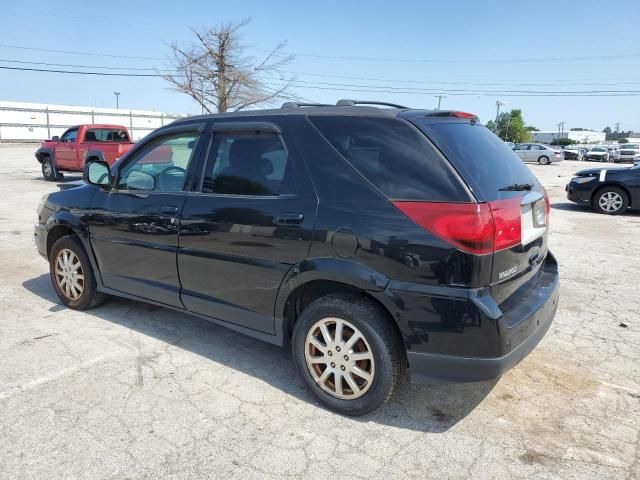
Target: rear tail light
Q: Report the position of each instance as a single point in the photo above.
(478, 228)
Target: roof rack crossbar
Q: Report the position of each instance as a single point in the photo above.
(345, 102)
(298, 105)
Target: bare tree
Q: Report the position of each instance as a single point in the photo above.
(217, 74)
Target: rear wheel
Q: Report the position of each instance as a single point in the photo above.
(48, 170)
(610, 200)
(544, 160)
(72, 275)
(348, 352)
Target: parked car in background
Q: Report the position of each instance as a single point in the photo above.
(614, 154)
(607, 190)
(572, 153)
(371, 241)
(77, 145)
(598, 154)
(629, 152)
(510, 144)
(538, 152)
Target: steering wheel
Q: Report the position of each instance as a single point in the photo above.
(170, 182)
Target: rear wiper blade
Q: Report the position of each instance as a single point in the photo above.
(516, 187)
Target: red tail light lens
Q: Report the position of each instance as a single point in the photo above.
(508, 225)
(478, 228)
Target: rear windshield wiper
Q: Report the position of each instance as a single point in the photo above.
(516, 187)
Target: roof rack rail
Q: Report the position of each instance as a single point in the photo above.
(298, 105)
(345, 102)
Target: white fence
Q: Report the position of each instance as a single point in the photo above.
(32, 122)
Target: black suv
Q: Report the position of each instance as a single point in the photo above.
(372, 241)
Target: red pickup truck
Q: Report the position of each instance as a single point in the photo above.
(69, 152)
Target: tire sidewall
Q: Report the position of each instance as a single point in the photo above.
(544, 160)
(90, 287)
(47, 162)
(383, 381)
(602, 191)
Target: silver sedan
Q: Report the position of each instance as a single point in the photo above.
(537, 152)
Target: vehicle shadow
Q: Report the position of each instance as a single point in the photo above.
(574, 207)
(571, 207)
(425, 408)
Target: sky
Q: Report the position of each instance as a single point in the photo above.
(405, 51)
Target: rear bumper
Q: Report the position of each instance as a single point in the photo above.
(515, 333)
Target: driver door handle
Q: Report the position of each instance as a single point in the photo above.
(289, 218)
(168, 209)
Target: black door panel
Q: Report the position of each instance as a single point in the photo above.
(136, 244)
(241, 235)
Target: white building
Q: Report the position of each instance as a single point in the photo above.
(20, 121)
(579, 136)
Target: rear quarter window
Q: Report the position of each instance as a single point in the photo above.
(393, 156)
(483, 160)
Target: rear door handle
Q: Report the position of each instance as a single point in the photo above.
(168, 209)
(289, 218)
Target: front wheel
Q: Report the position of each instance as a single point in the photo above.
(72, 275)
(348, 352)
(544, 160)
(611, 201)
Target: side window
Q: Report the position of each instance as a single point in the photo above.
(69, 136)
(161, 166)
(520, 147)
(247, 164)
(393, 156)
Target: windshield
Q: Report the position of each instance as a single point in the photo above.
(631, 146)
(599, 150)
(484, 161)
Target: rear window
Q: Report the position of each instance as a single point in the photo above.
(106, 135)
(394, 157)
(482, 159)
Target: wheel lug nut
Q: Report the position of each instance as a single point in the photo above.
(337, 349)
(346, 357)
(342, 368)
(330, 352)
(333, 365)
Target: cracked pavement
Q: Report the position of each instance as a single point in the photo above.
(129, 390)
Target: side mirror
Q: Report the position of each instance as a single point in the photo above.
(96, 172)
(138, 180)
(55, 138)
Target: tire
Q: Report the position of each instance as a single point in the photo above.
(48, 170)
(544, 160)
(610, 200)
(66, 253)
(379, 342)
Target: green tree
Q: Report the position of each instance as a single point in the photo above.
(510, 127)
(607, 130)
(623, 140)
(562, 141)
(579, 129)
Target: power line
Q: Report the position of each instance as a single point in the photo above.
(391, 89)
(373, 88)
(469, 61)
(73, 52)
(77, 72)
(481, 82)
(23, 62)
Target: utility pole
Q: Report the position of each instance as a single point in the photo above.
(560, 129)
(617, 127)
(439, 97)
(117, 94)
(498, 105)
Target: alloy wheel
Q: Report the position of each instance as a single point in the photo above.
(69, 274)
(339, 358)
(48, 170)
(610, 202)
